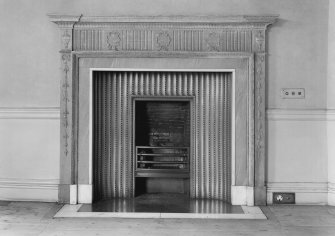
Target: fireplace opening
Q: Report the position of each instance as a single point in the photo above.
(162, 146)
(166, 133)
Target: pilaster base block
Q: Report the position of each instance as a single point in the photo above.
(260, 195)
(242, 195)
(85, 193)
(64, 193)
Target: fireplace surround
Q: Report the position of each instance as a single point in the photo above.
(234, 44)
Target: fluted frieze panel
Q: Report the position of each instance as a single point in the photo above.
(136, 39)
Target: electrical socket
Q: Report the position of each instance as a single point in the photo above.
(293, 93)
(283, 198)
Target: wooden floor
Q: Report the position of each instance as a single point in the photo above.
(27, 218)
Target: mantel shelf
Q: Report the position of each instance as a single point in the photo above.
(266, 19)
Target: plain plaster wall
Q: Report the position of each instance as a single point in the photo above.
(331, 102)
(29, 65)
(29, 159)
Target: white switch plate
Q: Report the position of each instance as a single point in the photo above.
(293, 93)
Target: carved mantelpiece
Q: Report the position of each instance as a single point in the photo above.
(242, 37)
(201, 34)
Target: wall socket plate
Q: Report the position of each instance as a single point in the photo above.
(293, 93)
(283, 198)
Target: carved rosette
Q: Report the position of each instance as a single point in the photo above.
(113, 40)
(163, 40)
(213, 41)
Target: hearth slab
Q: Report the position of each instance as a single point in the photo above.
(161, 206)
(163, 203)
(71, 211)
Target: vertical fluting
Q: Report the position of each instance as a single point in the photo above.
(194, 170)
(110, 140)
(207, 153)
(114, 135)
(228, 81)
(201, 137)
(224, 132)
(215, 135)
(95, 140)
(129, 138)
(120, 132)
(220, 138)
(196, 132)
(211, 111)
(104, 137)
(124, 138)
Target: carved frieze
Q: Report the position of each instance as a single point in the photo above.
(149, 39)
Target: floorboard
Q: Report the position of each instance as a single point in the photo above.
(31, 218)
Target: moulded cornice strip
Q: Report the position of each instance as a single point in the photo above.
(30, 113)
(265, 19)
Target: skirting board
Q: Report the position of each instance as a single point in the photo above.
(29, 190)
(305, 193)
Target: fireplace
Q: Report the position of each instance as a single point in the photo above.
(117, 69)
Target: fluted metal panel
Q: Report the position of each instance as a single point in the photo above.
(210, 167)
